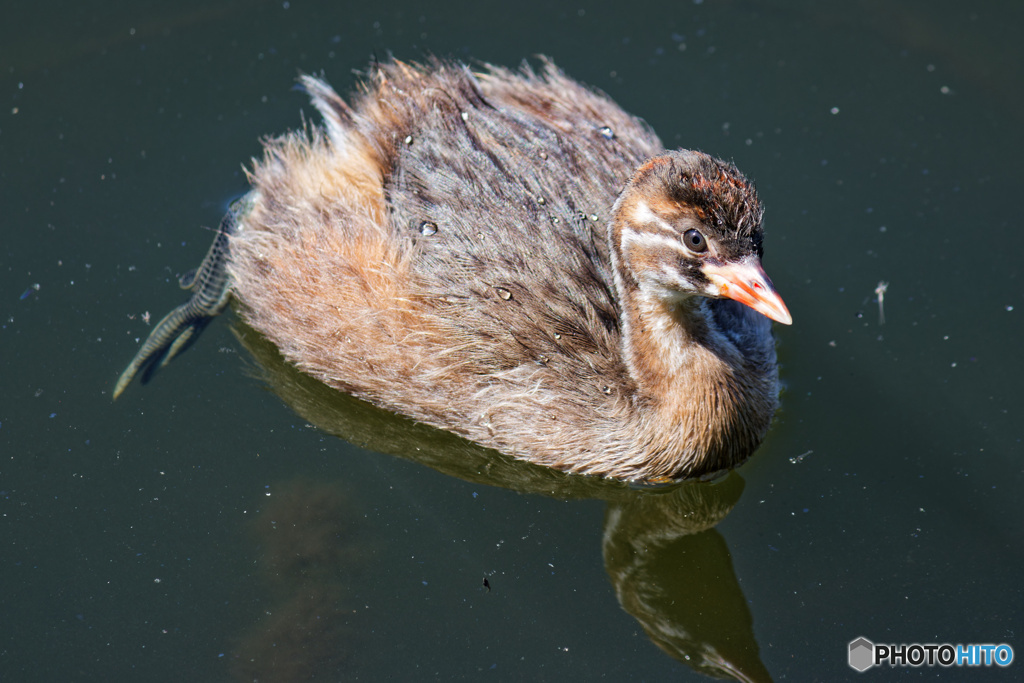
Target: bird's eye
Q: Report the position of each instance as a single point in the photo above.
(695, 241)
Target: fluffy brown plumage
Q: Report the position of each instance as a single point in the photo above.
(460, 248)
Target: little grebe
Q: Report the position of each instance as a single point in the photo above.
(511, 257)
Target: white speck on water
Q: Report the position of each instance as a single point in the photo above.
(834, 110)
(797, 459)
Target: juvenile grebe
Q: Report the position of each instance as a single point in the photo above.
(511, 257)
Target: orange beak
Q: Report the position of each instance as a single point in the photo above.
(747, 283)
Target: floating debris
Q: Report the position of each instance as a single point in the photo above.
(797, 459)
(880, 291)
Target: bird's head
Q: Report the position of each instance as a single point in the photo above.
(689, 224)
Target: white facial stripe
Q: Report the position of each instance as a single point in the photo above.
(643, 215)
(664, 279)
(666, 237)
(631, 238)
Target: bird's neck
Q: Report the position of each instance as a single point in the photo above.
(695, 393)
(670, 346)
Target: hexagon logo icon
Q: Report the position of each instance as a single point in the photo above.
(862, 654)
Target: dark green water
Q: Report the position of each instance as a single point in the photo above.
(142, 540)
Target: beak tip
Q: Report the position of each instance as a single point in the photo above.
(783, 317)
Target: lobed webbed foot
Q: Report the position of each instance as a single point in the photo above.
(211, 291)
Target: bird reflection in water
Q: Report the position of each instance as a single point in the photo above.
(672, 571)
(670, 568)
